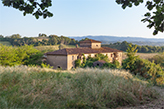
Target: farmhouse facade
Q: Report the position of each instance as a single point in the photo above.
(65, 58)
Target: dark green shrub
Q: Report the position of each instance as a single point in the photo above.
(102, 57)
(109, 65)
(77, 63)
(116, 63)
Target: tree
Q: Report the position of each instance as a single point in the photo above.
(1, 36)
(34, 7)
(42, 35)
(155, 16)
(129, 63)
(15, 36)
(61, 46)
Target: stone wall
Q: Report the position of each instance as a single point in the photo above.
(85, 44)
(90, 45)
(57, 61)
(96, 45)
(71, 61)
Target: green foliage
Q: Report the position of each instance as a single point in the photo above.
(42, 39)
(43, 65)
(158, 59)
(61, 46)
(84, 39)
(109, 65)
(11, 56)
(84, 59)
(77, 63)
(90, 60)
(155, 18)
(116, 63)
(31, 7)
(8, 56)
(145, 68)
(101, 57)
(129, 62)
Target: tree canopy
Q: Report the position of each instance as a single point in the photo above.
(154, 16)
(35, 7)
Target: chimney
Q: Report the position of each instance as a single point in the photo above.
(77, 46)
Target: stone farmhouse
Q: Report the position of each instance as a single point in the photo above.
(65, 58)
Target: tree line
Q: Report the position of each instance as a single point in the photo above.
(42, 39)
(142, 49)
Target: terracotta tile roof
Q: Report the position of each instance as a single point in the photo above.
(90, 41)
(81, 50)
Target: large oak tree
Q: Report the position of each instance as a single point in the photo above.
(154, 16)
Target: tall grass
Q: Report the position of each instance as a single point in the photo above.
(30, 87)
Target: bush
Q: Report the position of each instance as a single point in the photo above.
(116, 63)
(158, 59)
(26, 55)
(77, 63)
(145, 68)
(46, 66)
(109, 65)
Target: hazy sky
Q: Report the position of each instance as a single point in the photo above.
(78, 18)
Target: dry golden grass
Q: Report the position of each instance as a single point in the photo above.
(141, 55)
(52, 47)
(32, 87)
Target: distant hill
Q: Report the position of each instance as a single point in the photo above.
(134, 40)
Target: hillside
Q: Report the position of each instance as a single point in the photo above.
(134, 40)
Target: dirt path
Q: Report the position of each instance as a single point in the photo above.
(156, 104)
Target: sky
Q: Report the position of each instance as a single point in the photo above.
(78, 18)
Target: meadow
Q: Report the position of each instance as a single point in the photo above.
(34, 87)
(142, 55)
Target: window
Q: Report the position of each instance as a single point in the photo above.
(111, 55)
(96, 45)
(72, 57)
(59, 67)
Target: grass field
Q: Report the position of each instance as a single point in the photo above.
(52, 47)
(141, 55)
(5, 43)
(33, 87)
